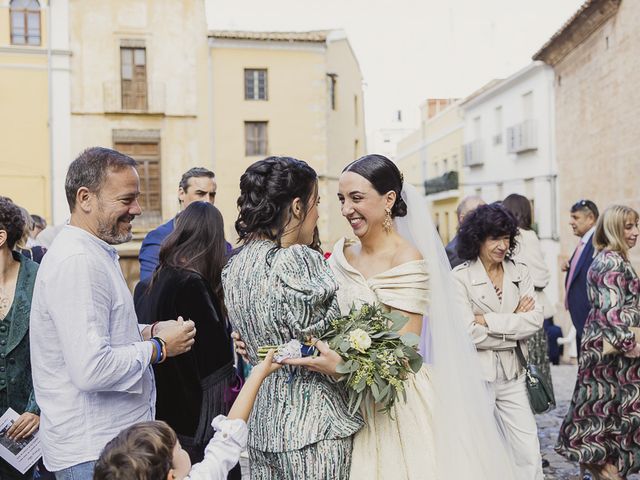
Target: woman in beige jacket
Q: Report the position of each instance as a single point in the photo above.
(499, 303)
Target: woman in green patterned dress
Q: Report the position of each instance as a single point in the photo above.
(277, 288)
(602, 427)
(17, 277)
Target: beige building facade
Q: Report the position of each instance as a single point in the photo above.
(292, 94)
(431, 158)
(139, 84)
(597, 70)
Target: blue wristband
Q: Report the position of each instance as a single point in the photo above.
(158, 350)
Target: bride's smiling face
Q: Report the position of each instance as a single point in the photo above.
(362, 206)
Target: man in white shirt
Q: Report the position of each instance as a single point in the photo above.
(90, 359)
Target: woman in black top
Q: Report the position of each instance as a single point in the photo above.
(192, 389)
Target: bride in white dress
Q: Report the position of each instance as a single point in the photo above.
(446, 429)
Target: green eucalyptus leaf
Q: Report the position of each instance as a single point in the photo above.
(345, 367)
(356, 405)
(410, 352)
(375, 391)
(416, 364)
(398, 320)
(410, 339)
(385, 391)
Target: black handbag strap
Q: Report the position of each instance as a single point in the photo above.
(520, 355)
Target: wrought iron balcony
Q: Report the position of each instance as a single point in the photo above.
(448, 181)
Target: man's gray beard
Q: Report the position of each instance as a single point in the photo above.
(111, 235)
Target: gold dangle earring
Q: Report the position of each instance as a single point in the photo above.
(386, 223)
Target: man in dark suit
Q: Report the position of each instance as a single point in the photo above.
(196, 185)
(584, 215)
(468, 204)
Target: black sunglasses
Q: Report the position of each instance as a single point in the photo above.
(580, 204)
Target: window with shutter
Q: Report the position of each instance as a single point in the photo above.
(333, 82)
(255, 84)
(255, 134)
(25, 22)
(133, 73)
(147, 154)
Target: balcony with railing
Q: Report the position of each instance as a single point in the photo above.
(443, 183)
(473, 154)
(142, 101)
(522, 137)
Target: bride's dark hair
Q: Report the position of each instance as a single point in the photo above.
(267, 189)
(383, 175)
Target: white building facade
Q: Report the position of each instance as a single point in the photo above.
(509, 147)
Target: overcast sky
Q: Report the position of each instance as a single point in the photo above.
(410, 50)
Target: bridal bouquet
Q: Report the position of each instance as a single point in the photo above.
(377, 359)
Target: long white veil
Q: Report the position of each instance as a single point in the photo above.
(469, 441)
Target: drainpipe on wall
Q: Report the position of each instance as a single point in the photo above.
(50, 114)
(210, 91)
(553, 177)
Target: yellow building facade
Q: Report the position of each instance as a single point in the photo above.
(445, 137)
(25, 164)
(146, 77)
(292, 94)
(431, 158)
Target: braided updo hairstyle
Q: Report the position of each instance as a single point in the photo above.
(267, 189)
(384, 175)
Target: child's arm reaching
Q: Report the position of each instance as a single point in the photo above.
(223, 450)
(241, 408)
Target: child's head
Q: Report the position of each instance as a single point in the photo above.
(145, 451)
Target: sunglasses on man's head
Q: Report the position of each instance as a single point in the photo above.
(584, 204)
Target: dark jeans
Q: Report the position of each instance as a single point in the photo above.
(553, 334)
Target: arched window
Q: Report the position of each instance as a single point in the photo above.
(25, 22)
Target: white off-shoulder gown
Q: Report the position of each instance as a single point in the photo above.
(401, 448)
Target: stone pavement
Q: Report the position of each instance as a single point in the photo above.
(564, 377)
(548, 425)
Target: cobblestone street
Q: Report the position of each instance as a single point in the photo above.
(548, 424)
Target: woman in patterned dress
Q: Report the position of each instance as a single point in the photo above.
(276, 289)
(602, 427)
